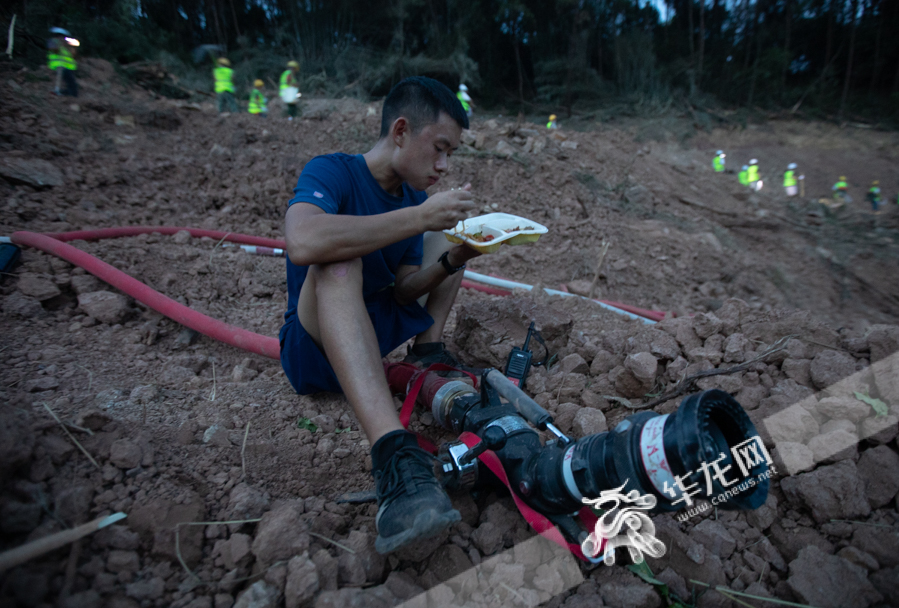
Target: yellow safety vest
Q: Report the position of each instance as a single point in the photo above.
(718, 164)
(840, 186)
(753, 174)
(61, 58)
(744, 177)
(464, 103)
(222, 77)
(287, 80)
(789, 178)
(257, 102)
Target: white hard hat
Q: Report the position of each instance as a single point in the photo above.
(791, 166)
(462, 87)
(720, 153)
(60, 31)
(754, 161)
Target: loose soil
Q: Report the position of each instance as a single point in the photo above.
(185, 429)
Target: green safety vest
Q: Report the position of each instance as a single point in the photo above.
(718, 164)
(464, 103)
(222, 77)
(744, 177)
(840, 186)
(257, 102)
(789, 178)
(287, 80)
(550, 124)
(61, 58)
(874, 193)
(753, 175)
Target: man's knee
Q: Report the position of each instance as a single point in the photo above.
(340, 275)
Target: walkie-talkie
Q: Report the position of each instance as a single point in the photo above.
(519, 362)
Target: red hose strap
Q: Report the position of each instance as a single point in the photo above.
(122, 231)
(538, 522)
(217, 330)
(409, 402)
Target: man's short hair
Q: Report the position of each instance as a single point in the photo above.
(420, 100)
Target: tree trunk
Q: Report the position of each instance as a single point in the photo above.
(849, 61)
(236, 20)
(831, 19)
(701, 43)
(755, 68)
(786, 68)
(876, 69)
(692, 47)
(750, 19)
(520, 75)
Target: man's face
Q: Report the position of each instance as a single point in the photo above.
(424, 156)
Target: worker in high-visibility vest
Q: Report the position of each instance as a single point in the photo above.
(552, 122)
(257, 100)
(465, 99)
(743, 175)
(752, 175)
(289, 81)
(718, 162)
(61, 59)
(840, 190)
(874, 196)
(791, 186)
(224, 87)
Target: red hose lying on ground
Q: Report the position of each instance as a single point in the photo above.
(122, 231)
(218, 330)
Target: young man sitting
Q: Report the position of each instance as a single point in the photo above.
(366, 271)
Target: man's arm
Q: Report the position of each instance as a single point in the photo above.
(412, 282)
(316, 237)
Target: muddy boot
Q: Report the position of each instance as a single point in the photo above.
(412, 503)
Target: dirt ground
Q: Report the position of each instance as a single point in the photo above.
(185, 429)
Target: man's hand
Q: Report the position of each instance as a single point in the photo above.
(460, 254)
(445, 209)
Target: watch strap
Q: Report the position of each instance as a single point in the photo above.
(449, 268)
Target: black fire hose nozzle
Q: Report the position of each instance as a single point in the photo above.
(527, 407)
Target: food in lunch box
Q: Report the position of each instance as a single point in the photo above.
(517, 229)
(479, 237)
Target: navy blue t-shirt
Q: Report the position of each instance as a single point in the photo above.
(342, 184)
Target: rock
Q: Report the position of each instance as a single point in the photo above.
(790, 541)
(246, 502)
(182, 237)
(644, 367)
(104, 306)
(735, 348)
(859, 558)
(326, 423)
(828, 581)
(350, 572)
(281, 534)
(883, 341)
(201, 602)
(326, 566)
(706, 324)
(142, 395)
(878, 469)
(236, 551)
(511, 575)
(630, 594)
(488, 538)
(350, 597)
(879, 429)
(402, 586)
(794, 424)
(674, 581)
(831, 492)
(881, 543)
(243, 374)
(830, 366)
(31, 171)
(117, 537)
(85, 283)
(844, 407)
(373, 563)
(589, 421)
(19, 518)
(302, 581)
(125, 454)
(38, 288)
(573, 364)
(19, 305)
(714, 536)
(798, 370)
(565, 414)
(122, 561)
(82, 599)
(834, 446)
(73, 502)
(603, 363)
(157, 518)
(887, 584)
(503, 148)
(449, 561)
(44, 383)
(259, 595)
(764, 516)
(149, 589)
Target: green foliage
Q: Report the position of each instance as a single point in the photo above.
(305, 423)
(880, 408)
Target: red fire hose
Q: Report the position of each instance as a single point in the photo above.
(218, 330)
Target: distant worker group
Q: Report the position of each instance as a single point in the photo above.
(289, 91)
(793, 184)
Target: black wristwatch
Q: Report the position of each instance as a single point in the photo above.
(449, 268)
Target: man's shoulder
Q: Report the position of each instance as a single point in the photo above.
(336, 164)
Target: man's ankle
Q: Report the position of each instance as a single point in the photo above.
(427, 348)
(385, 447)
